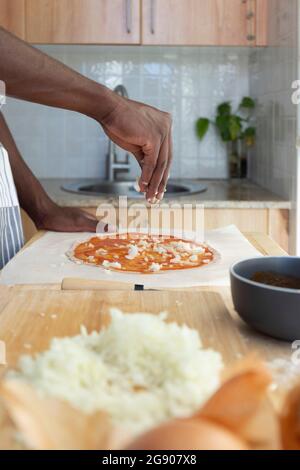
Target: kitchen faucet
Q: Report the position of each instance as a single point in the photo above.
(113, 165)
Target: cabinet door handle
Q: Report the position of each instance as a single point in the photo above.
(251, 20)
(128, 15)
(152, 16)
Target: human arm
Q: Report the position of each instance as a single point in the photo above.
(31, 75)
(34, 200)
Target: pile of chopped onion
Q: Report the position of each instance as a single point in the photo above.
(140, 369)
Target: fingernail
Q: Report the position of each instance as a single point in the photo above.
(144, 182)
(137, 186)
(160, 196)
(105, 228)
(110, 228)
(152, 200)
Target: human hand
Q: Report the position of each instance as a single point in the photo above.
(146, 133)
(71, 219)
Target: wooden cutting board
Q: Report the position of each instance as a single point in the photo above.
(32, 318)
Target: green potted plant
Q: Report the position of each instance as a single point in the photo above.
(236, 131)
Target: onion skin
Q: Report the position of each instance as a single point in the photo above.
(242, 406)
(238, 399)
(239, 416)
(188, 434)
(290, 421)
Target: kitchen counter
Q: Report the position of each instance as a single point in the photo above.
(221, 194)
(250, 341)
(268, 349)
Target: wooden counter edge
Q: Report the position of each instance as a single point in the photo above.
(261, 241)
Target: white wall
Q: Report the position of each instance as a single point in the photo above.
(296, 187)
(272, 72)
(188, 82)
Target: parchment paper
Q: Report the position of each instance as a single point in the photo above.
(45, 262)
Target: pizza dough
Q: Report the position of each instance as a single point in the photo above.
(142, 253)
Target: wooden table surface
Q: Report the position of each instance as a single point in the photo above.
(267, 348)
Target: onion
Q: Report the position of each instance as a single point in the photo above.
(238, 416)
(52, 424)
(242, 405)
(290, 421)
(188, 434)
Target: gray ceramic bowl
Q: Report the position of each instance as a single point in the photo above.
(271, 310)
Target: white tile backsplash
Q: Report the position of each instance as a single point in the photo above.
(272, 71)
(188, 82)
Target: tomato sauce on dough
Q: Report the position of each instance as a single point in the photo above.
(141, 253)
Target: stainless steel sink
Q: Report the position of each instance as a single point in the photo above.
(126, 188)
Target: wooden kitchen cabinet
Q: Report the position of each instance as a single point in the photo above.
(202, 22)
(156, 22)
(29, 227)
(261, 22)
(83, 21)
(272, 222)
(12, 16)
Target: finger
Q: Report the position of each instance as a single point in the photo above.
(158, 172)
(148, 166)
(164, 181)
(87, 215)
(139, 156)
(105, 228)
(89, 223)
(86, 224)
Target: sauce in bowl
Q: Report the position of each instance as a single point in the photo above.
(276, 280)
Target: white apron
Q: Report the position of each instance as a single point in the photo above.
(11, 232)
